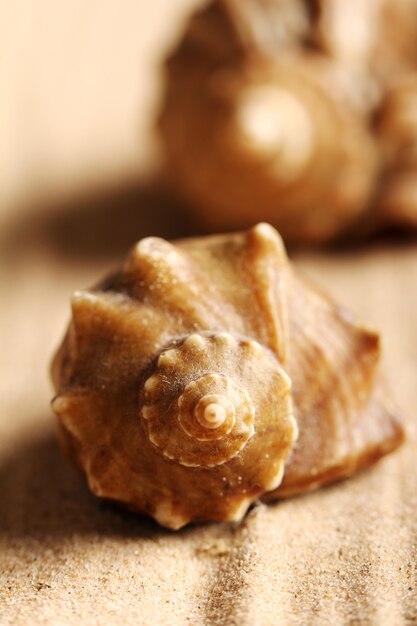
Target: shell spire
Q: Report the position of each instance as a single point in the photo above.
(205, 375)
(201, 400)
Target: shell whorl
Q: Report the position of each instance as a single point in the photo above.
(197, 404)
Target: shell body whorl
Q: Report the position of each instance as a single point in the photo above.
(205, 374)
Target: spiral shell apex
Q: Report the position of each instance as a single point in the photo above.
(204, 375)
(201, 400)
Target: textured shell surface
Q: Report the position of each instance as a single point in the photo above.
(205, 374)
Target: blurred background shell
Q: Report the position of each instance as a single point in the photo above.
(269, 114)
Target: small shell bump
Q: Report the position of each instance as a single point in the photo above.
(276, 480)
(266, 231)
(151, 247)
(250, 430)
(159, 257)
(238, 512)
(167, 358)
(152, 383)
(253, 347)
(147, 411)
(195, 341)
(166, 515)
(60, 404)
(225, 338)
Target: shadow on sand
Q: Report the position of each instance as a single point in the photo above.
(97, 226)
(42, 497)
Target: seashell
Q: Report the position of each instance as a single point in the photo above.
(262, 135)
(205, 374)
(256, 124)
(397, 133)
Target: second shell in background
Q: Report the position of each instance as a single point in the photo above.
(270, 109)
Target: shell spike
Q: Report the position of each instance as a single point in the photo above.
(269, 267)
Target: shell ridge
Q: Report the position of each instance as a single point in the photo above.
(103, 324)
(331, 407)
(341, 408)
(347, 343)
(269, 265)
(179, 281)
(232, 271)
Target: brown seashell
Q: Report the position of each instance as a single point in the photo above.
(397, 133)
(263, 135)
(268, 113)
(186, 377)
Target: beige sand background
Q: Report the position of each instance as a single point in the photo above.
(80, 90)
